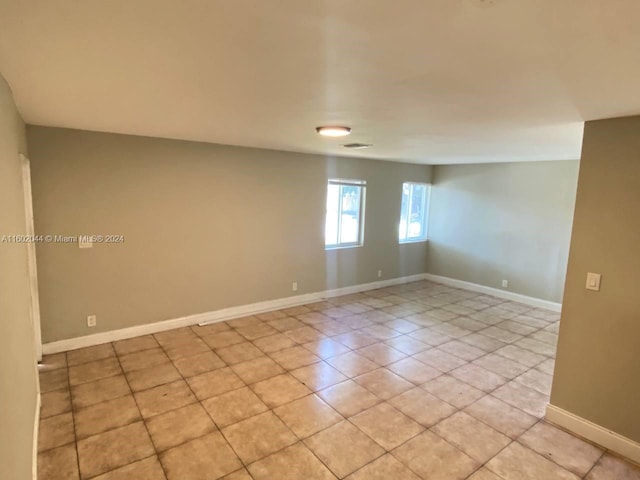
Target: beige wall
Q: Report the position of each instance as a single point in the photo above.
(205, 226)
(18, 378)
(503, 221)
(597, 375)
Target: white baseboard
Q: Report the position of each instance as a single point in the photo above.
(599, 435)
(496, 292)
(36, 430)
(218, 315)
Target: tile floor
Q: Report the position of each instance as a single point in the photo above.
(419, 381)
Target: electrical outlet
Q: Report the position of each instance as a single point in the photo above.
(91, 321)
(294, 286)
(379, 273)
(505, 283)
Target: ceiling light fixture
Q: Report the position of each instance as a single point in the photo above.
(333, 131)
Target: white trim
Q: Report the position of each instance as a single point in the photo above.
(218, 315)
(31, 254)
(600, 435)
(516, 297)
(36, 429)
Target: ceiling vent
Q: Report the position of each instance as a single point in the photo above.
(357, 146)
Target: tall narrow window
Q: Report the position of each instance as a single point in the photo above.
(344, 225)
(413, 213)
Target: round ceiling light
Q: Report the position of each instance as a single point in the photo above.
(333, 131)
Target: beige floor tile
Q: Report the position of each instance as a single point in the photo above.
(143, 359)
(113, 449)
(536, 346)
(286, 323)
(58, 464)
(318, 376)
(92, 371)
(105, 416)
(147, 469)
(274, 343)
(352, 364)
(343, 448)
(259, 436)
(524, 398)
(326, 348)
(258, 369)
(566, 450)
(430, 337)
(146, 342)
(521, 355)
(432, 458)
(241, 474)
(383, 383)
(304, 334)
(503, 417)
(484, 474)
(214, 383)
(348, 398)
(478, 377)
(501, 365)
(462, 350)
(355, 340)
(386, 425)
(259, 330)
(52, 362)
(439, 359)
(487, 344)
(294, 357)
(519, 463)
(238, 353)
(279, 390)
(537, 380)
(244, 321)
(450, 330)
(422, 407)
(55, 403)
(295, 462)
(414, 371)
(381, 354)
(153, 376)
(453, 391)
(547, 366)
(210, 329)
(384, 468)
(473, 437)
(401, 325)
(223, 339)
(179, 426)
(234, 406)
(501, 334)
(56, 431)
(164, 398)
(186, 349)
(197, 364)
(204, 458)
(517, 327)
(273, 315)
(90, 354)
(407, 345)
(99, 391)
(54, 380)
(307, 415)
(613, 468)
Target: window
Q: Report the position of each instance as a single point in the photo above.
(413, 213)
(344, 225)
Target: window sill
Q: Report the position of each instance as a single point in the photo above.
(341, 247)
(422, 240)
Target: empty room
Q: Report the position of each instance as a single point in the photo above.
(319, 240)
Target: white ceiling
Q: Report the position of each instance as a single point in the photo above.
(427, 81)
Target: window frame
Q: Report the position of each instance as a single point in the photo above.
(362, 184)
(426, 205)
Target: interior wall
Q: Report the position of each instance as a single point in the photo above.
(205, 227)
(503, 221)
(18, 374)
(598, 363)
